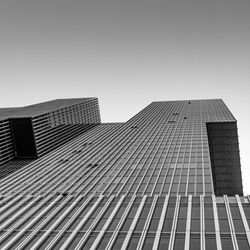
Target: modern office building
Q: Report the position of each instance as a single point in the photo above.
(169, 178)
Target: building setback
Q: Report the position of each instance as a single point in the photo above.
(169, 178)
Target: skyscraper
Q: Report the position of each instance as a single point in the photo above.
(169, 178)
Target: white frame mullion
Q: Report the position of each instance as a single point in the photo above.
(81, 223)
(94, 223)
(21, 232)
(175, 219)
(133, 224)
(230, 221)
(243, 217)
(216, 224)
(118, 227)
(52, 227)
(106, 225)
(202, 223)
(147, 223)
(188, 225)
(160, 225)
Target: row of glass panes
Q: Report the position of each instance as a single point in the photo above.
(153, 219)
(49, 167)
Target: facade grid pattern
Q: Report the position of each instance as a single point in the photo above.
(57, 127)
(122, 222)
(50, 129)
(144, 184)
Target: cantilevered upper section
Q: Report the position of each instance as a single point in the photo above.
(42, 108)
(32, 131)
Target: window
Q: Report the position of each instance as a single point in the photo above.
(238, 226)
(164, 241)
(90, 241)
(153, 224)
(179, 242)
(226, 243)
(167, 226)
(210, 242)
(194, 243)
(119, 241)
(149, 241)
(140, 224)
(242, 242)
(224, 226)
(133, 241)
(209, 225)
(104, 241)
(195, 225)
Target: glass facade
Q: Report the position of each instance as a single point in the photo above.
(122, 222)
(149, 183)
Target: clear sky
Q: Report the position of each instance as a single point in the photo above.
(128, 53)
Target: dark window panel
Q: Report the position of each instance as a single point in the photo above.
(113, 224)
(170, 211)
(104, 241)
(183, 211)
(140, 224)
(179, 243)
(238, 226)
(148, 243)
(181, 225)
(222, 213)
(235, 212)
(195, 225)
(194, 243)
(242, 242)
(209, 225)
(167, 226)
(209, 212)
(195, 212)
(153, 224)
(100, 224)
(126, 225)
(133, 242)
(89, 241)
(224, 226)
(210, 243)
(119, 241)
(227, 243)
(164, 241)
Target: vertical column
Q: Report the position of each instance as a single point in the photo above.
(202, 222)
(131, 229)
(230, 220)
(216, 223)
(173, 231)
(108, 222)
(244, 219)
(123, 218)
(147, 223)
(160, 225)
(188, 226)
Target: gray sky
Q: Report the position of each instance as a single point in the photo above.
(128, 53)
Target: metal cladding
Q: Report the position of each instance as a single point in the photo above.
(32, 131)
(169, 178)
